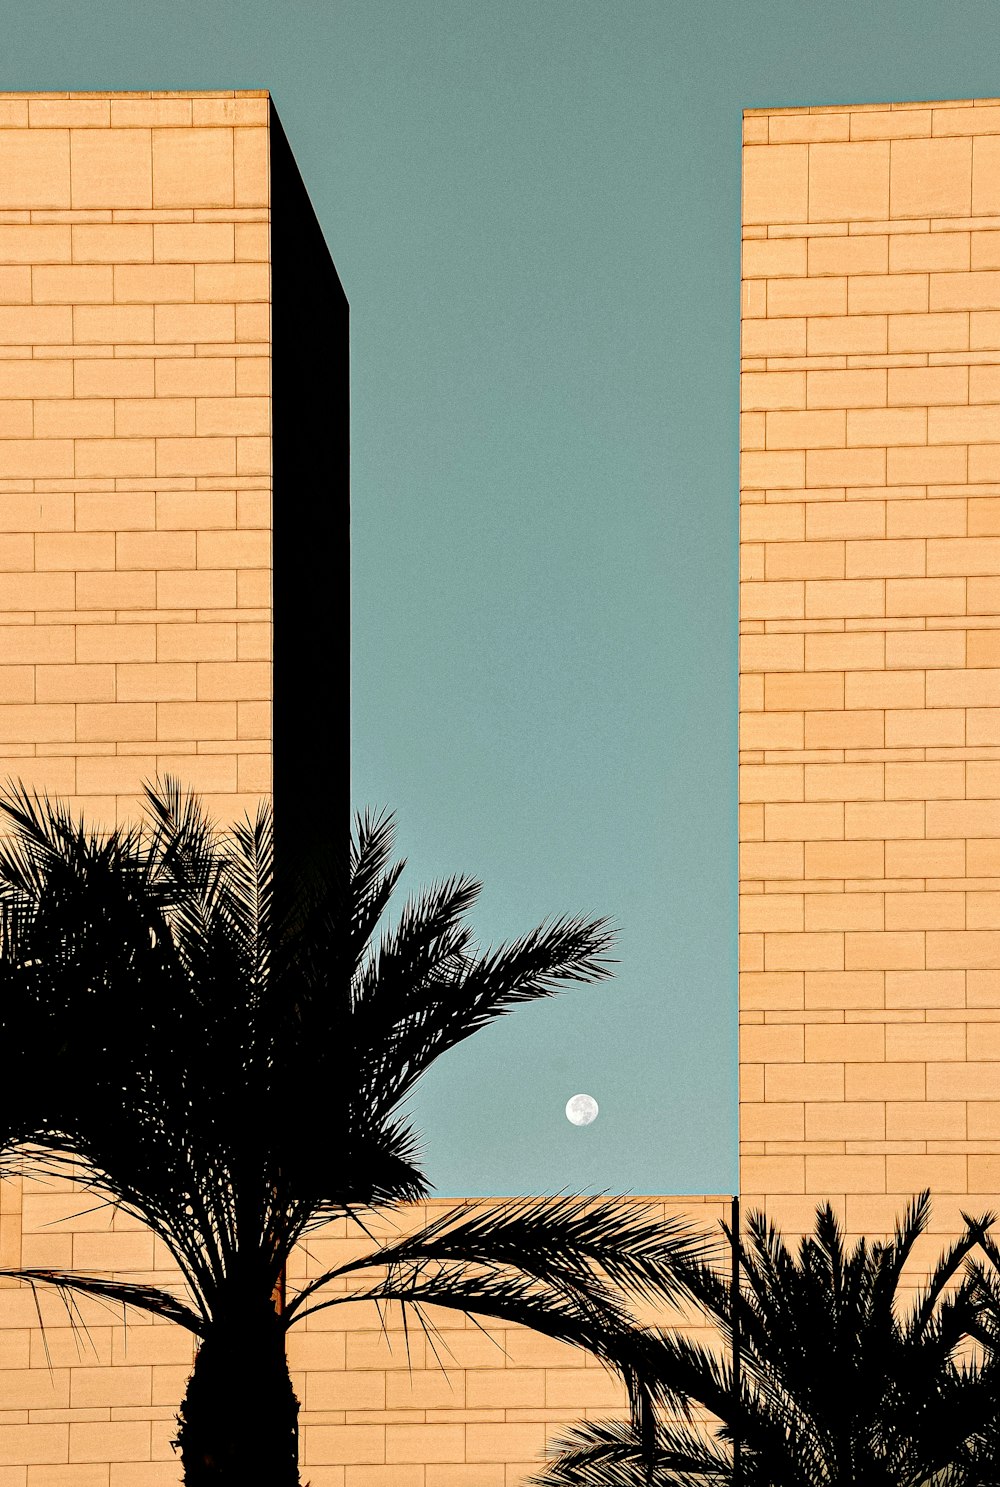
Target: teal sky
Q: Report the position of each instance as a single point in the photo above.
(534, 208)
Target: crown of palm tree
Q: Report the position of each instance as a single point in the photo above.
(224, 1052)
(841, 1382)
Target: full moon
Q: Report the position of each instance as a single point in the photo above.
(582, 1109)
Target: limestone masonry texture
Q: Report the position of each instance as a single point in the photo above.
(870, 660)
(135, 446)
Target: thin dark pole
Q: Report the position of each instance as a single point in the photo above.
(735, 1308)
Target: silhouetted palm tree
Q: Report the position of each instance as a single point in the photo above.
(843, 1383)
(984, 1300)
(225, 1057)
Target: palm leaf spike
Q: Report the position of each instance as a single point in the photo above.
(930, 1298)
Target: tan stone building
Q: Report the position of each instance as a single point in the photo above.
(870, 659)
(139, 262)
(170, 325)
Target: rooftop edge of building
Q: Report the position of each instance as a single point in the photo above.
(102, 93)
(871, 108)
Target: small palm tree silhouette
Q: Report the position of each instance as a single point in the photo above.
(842, 1382)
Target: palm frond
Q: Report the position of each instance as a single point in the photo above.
(461, 995)
(608, 1453)
(372, 877)
(151, 1299)
(584, 1245)
(598, 1324)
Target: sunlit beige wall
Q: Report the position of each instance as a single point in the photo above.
(870, 660)
(134, 445)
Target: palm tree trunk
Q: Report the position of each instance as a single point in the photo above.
(238, 1422)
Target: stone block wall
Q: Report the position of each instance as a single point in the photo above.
(870, 660)
(135, 467)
